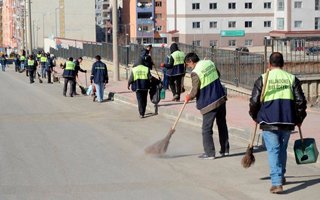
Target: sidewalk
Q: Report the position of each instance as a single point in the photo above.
(239, 122)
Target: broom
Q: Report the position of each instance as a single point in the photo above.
(249, 159)
(39, 77)
(160, 147)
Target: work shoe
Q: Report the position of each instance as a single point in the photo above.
(223, 154)
(276, 189)
(141, 116)
(94, 98)
(204, 156)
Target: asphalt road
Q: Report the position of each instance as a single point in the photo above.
(55, 147)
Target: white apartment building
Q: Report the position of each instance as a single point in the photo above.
(234, 23)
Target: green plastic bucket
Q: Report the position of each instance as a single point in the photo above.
(305, 152)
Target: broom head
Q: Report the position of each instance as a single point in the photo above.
(248, 159)
(83, 90)
(160, 147)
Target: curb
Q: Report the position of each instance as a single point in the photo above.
(234, 132)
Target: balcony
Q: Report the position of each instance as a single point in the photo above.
(144, 7)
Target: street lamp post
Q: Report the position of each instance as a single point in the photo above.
(29, 31)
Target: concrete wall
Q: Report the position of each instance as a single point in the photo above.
(79, 19)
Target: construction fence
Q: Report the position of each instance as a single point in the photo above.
(236, 68)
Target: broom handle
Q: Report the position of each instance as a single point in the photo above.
(300, 133)
(261, 100)
(179, 115)
(86, 79)
(254, 135)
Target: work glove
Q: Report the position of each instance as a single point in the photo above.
(187, 98)
(162, 65)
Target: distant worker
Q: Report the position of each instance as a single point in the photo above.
(146, 56)
(49, 67)
(283, 107)
(211, 101)
(43, 62)
(3, 62)
(22, 61)
(175, 71)
(31, 67)
(69, 76)
(17, 62)
(77, 69)
(139, 81)
(99, 76)
(39, 57)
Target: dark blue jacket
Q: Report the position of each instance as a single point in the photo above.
(99, 72)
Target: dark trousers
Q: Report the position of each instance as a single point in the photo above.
(49, 76)
(31, 75)
(175, 85)
(207, 125)
(66, 81)
(142, 96)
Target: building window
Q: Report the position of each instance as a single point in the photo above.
(248, 5)
(195, 24)
(297, 24)
(196, 43)
(280, 23)
(232, 5)
(317, 23)
(232, 43)
(267, 24)
(317, 5)
(158, 3)
(213, 43)
(213, 24)
(248, 24)
(267, 5)
(212, 6)
(158, 16)
(231, 24)
(280, 5)
(298, 4)
(195, 6)
(159, 28)
(248, 43)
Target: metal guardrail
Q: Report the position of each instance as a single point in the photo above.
(237, 68)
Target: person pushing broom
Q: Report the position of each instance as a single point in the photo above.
(211, 101)
(282, 108)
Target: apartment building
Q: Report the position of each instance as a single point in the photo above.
(1, 32)
(235, 23)
(145, 21)
(8, 25)
(49, 19)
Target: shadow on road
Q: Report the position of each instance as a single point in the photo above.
(302, 184)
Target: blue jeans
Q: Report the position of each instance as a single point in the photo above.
(22, 66)
(99, 91)
(3, 67)
(43, 70)
(165, 79)
(276, 143)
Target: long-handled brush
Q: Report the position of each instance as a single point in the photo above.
(160, 147)
(39, 77)
(249, 159)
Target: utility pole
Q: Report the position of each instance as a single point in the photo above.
(29, 27)
(116, 76)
